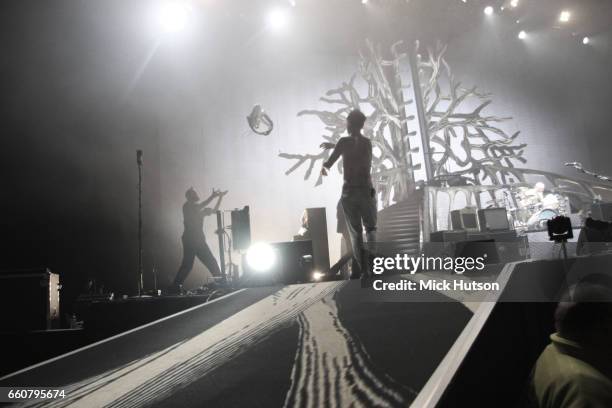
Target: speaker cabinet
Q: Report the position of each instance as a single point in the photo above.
(241, 229)
(601, 212)
(316, 220)
(484, 248)
(448, 236)
(595, 236)
(29, 300)
(443, 243)
(493, 219)
(293, 264)
(465, 219)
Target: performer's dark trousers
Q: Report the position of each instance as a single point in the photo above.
(360, 210)
(192, 248)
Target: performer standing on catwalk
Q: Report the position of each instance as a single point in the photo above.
(194, 241)
(358, 200)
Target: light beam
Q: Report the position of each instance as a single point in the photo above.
(173, 16)
(278, 19)
(565, 16)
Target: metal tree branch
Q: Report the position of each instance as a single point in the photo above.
(387, 125)
(478, 142)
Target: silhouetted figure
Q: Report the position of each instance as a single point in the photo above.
(358, 199)
(575, 370)
(194, 241)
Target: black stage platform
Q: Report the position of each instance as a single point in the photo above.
(301, 345)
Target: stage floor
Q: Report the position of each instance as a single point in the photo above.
(318, 344)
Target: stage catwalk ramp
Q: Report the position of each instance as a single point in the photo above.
(306, 345)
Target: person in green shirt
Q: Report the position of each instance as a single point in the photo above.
(575, 369)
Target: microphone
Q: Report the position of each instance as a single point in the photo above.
(139, 157)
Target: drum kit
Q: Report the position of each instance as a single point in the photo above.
(530, 207)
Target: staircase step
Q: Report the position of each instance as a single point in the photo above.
(392, 244)
(399, 228)
(399, 216)
(402, 234)
(407, 232)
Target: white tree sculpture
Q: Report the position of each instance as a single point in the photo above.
(382, 99)
(461, 140)
(483, 148)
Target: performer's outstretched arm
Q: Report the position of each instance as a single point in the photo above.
(332, 158)
(216, 193)
(212, 196)
(220, 195)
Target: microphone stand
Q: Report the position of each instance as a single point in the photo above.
(220, 232)
(140, 250)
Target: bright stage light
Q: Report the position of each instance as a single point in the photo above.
(174, 16)
(261, 257)
(514, 3)
(522, 35)
(586, 40)
(564, 17)
(488, 10)
(317, 276)
(364, 1)
(278, 19)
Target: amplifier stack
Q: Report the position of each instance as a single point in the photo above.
(29, 300)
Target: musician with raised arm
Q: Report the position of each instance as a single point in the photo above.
(358, 201)
(194, 241)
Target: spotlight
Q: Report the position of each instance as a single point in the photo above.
(173, 16)
(317, 276)
(261, 257)
(364, 1)
(564, 17)
(586, 40)
(488, 10)
(277, 19)
(560, 229)
(514, 3)
(522, 35)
